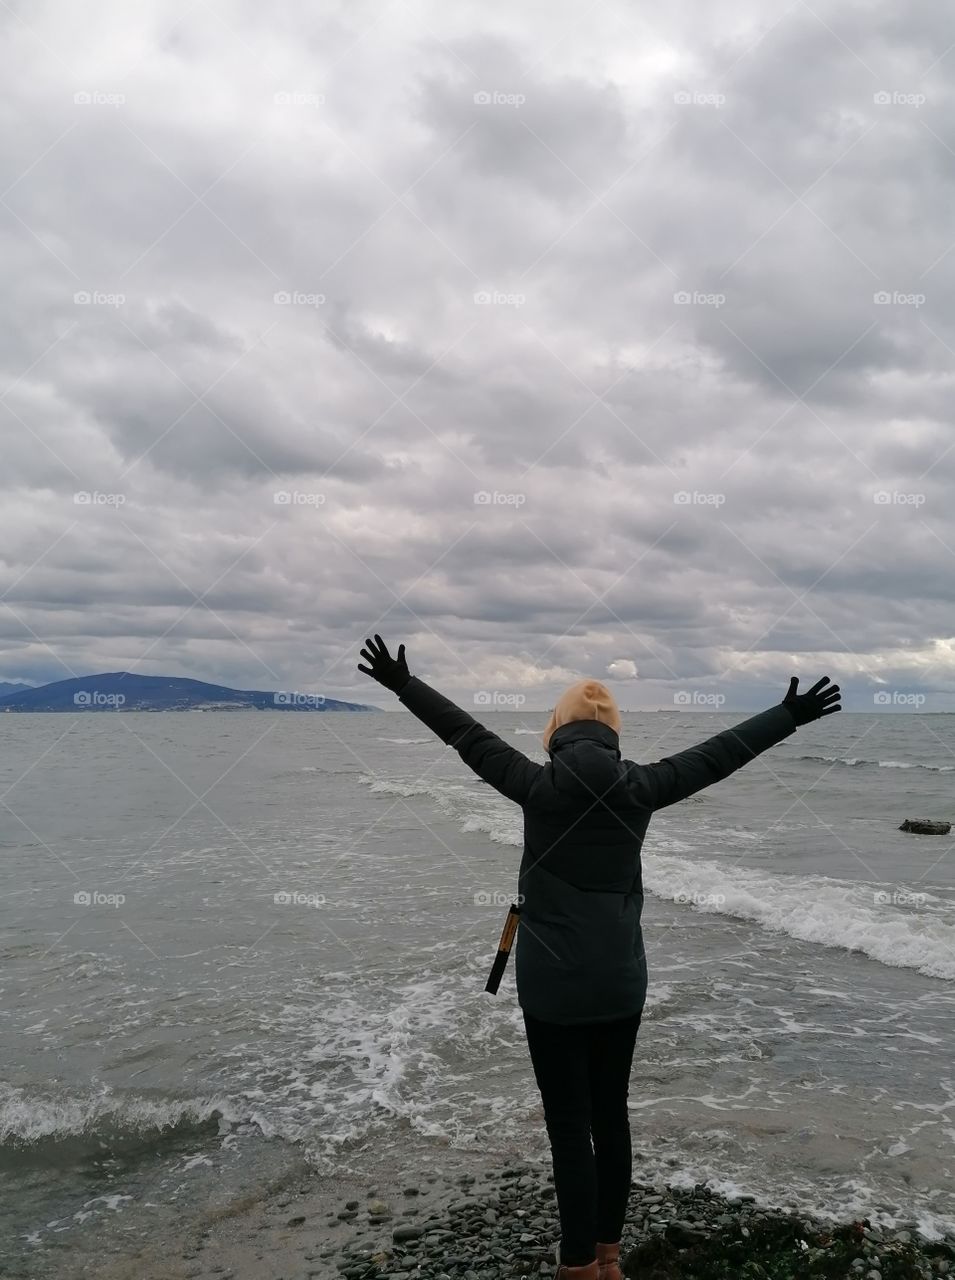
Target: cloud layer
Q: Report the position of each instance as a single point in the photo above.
(553, 342)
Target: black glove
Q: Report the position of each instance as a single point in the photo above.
(812, 704)
(392, 672)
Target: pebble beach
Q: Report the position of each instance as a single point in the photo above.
(501, 1224)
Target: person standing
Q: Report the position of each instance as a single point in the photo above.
(581, 971)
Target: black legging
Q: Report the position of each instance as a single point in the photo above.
(583, 1073)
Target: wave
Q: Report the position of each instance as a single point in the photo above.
(409, 742)
(473, 811)
(829, 912)
(392, 787)
(882, 764)
(59, 1129)
(538, 732)
(870, 918)
(500, 828)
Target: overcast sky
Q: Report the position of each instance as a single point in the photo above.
(552, 339)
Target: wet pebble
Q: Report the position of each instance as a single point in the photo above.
(406, 1233)
(506, 1224)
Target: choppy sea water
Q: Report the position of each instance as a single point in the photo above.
(232, 935)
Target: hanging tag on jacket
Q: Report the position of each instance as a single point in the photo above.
(503, 949)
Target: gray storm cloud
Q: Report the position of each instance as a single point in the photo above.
(551, 344)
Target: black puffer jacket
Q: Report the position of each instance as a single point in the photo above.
(580, 954)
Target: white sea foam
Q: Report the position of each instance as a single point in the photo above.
(409, 742)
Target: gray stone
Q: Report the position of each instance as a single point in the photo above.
(406, 1233)
(682, 1232)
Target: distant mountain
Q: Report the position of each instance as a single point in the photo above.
(16, 686)
(123, 691)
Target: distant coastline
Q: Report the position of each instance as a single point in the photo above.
(125, 691)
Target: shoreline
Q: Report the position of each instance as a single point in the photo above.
(477, 1217)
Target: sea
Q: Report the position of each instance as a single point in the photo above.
(229, 939)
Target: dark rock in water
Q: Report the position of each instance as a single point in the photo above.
(926, 827)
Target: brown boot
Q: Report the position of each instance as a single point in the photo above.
(608, 1261)
(589, 1272)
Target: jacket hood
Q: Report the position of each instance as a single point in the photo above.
(585, 756)
(585, 700)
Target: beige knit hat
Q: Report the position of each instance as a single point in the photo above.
(585, 700)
